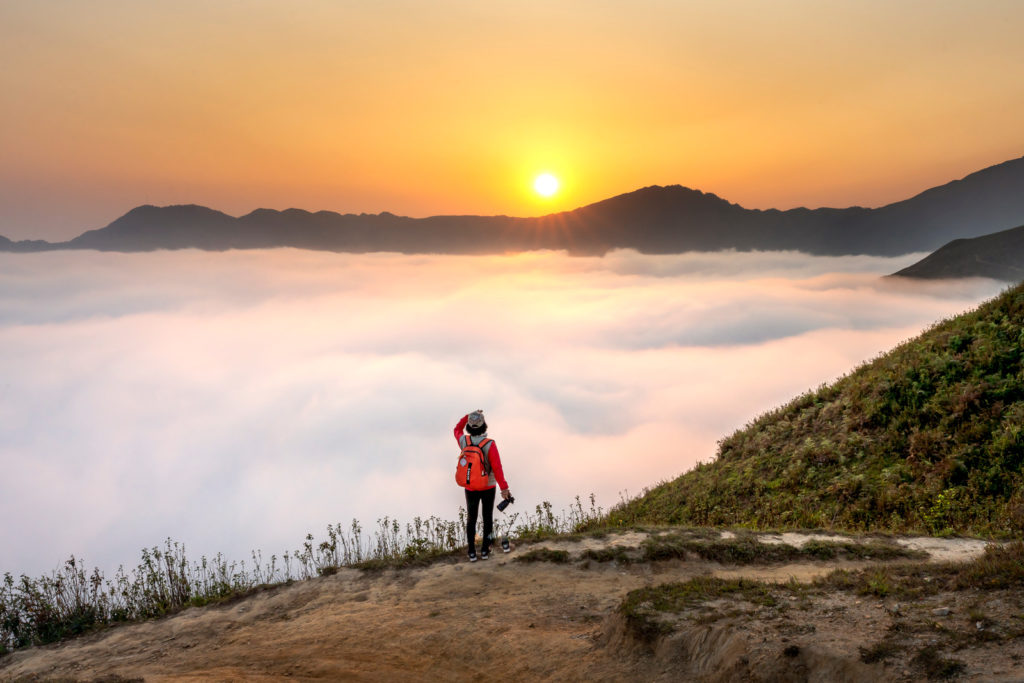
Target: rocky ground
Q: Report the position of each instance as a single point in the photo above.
(559, 619)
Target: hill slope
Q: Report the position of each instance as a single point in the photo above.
(999, 256)
(653, 219)
(929, 437)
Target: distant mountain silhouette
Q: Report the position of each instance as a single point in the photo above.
(999, 256)
(654, 220)
(28, 245)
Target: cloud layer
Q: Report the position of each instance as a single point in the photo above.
(238, 400)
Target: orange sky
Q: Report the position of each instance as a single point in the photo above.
(423, 108)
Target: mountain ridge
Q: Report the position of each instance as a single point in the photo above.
(654, 219)
(999, 256)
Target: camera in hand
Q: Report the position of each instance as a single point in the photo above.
(505, 503)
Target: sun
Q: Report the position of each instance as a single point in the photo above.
(545, 184)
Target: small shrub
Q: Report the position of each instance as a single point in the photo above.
(664, 548)
(877, 583)
(879, 652)
(543, 555)
(615, 553)
(999, 567)
(677, 596)
(936, 667)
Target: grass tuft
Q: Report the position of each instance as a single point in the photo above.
(614, 553)
(929, 660)
(880, 651)
(747, 549)
(543, 555)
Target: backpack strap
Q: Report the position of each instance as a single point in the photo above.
(485, 448)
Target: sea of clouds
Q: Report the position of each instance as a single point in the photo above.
(239, 400)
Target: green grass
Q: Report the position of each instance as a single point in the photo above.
(928, 438)
(612, 553)
(641, 607)
(543, 555)
(746, 549)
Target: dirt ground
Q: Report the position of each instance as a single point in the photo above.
(534, 621)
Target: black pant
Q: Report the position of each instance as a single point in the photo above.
(473, 498)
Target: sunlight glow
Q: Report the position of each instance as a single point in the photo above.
(546, 184)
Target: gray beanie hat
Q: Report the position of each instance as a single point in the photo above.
(476, 419)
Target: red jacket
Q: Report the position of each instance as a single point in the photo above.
(492, 453)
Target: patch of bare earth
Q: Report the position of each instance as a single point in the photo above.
(547, 621)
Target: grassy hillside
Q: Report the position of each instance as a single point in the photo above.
(928, 437)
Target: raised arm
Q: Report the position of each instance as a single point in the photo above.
(459, 428)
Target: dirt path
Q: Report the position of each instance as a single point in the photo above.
(510, 620)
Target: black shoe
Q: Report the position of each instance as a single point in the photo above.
(484, 554)
(505, 546)
(472, 557)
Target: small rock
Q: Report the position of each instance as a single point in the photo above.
(895, 608)
(941, 612)
(979, 625)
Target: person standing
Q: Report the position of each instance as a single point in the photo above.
(472, 430)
